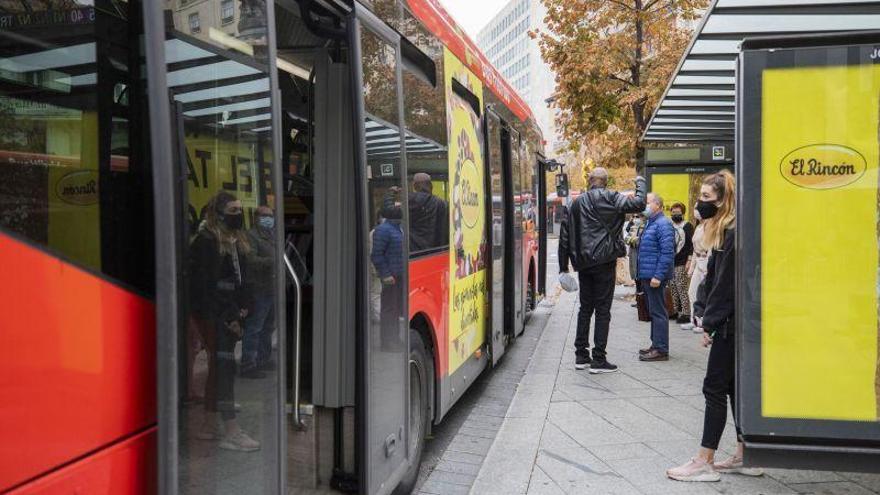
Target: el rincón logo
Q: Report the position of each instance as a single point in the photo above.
(78, 188)
(823, 166)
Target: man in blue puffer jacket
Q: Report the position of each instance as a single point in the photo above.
(656, 257)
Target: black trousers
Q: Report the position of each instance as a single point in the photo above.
(220, 387)
(597, 294)
(718, 386)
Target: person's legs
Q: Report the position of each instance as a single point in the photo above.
(659, 317)
(683, 304)
(716, 387)
(603, 282)
(253, 327)
(264, 349)
(588, 304)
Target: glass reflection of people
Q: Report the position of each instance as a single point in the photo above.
(256, 344)
(387, 258)
(217, 296)
(428, 217)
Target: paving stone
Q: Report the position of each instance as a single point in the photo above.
(463, 457)
(457, 467)
(470, 445)
(453, 478)
(649, 476)
(748, 485)
(616, 452)
(585, 426)
(440, 488)
(790, 476)
(832, 488)
(541, 484)
(868, 480)
(635, 421)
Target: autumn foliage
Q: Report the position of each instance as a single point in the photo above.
(612, 59)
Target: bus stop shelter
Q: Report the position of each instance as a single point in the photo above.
(792, 87)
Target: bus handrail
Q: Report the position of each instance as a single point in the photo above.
(297, 420)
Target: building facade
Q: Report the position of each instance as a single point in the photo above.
(506, 42)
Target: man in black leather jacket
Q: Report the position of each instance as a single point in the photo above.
(591, 238)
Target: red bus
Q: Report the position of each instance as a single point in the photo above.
(250, 246)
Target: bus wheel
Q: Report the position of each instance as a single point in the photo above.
(420, 368)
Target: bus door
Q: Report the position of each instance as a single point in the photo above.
(519, 283)
(498, 160)
(807, 341)
(541, 218)
(383, 346)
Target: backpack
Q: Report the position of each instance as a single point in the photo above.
(680, 237)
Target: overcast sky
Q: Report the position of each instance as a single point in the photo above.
(472, 15)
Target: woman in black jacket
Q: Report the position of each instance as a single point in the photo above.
(218, 298)
(715, 310)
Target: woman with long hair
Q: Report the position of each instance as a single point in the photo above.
(217, 296)
(715, 311)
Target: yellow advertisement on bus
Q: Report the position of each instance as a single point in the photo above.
(468, 250)
(819, 242)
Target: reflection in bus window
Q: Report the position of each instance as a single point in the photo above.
(75, 176)
(218, 78)
(427, 163)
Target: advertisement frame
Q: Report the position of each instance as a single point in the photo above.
(782, 442)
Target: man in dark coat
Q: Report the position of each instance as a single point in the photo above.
(591, 239)
(428, 216)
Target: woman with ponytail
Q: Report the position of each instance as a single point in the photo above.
(715, 310)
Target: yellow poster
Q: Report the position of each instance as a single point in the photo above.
(673, 188)
(214, 164)
(819, 231)
(468, 251)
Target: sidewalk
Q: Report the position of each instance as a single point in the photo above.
(567, 431)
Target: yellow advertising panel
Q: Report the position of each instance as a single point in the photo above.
(215, 164)
(468, 251)
(673, 188)
(819, 231)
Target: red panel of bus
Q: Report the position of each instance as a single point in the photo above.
(79, 365)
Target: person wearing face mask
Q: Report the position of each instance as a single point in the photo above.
(656, 256)
(685, 248)
(631, 238)
(256, 344)
(218, 271)
(696, 268)
(715, 311)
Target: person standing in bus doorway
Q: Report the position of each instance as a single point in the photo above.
(256, 344)
(428, 216)
(219, 254)
(387, 257)
(684, 248)
(590, 238)
(656, 256)
(715, 311)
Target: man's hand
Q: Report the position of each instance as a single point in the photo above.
(389, 280)
(655, 283)
(707, 340)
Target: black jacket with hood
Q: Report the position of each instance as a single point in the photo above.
(591, 233)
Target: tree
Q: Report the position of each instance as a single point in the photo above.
(612, 59)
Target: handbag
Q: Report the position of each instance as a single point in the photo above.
(642, 307)
(670, 305)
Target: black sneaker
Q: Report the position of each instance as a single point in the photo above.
(603, 367)
(582, 363)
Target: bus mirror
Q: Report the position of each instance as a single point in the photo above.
(562, 185)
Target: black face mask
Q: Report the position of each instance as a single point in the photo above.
(234, 222)
(677, 218)
(707, 210)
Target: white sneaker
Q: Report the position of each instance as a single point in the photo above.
(734, 465)
(239, 441)
(695, 470)
(697, 330)
(210, 431)
(687, 326)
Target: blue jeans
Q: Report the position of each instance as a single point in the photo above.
(256, 343)
(659, 317)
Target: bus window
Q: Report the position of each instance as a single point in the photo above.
(427, 163)
(75, 178)
(229, 409)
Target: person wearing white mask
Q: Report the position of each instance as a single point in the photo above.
(696, 268)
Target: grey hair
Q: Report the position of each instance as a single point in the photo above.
(658, 199)
(599, 177)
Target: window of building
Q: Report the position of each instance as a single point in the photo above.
(195, 25)
(227, 11)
